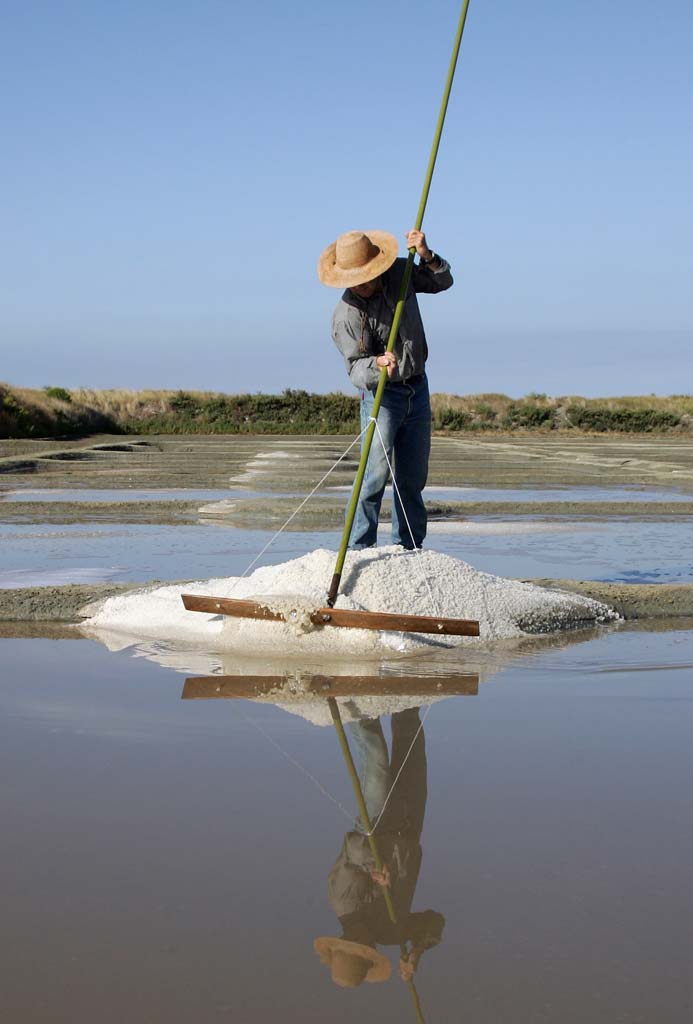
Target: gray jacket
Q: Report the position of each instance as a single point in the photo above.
(361, 327)
(358, 901)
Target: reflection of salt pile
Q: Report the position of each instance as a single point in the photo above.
(351, 709)
(377, 579)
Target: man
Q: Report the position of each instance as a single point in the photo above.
(367, 265)
(356, 887)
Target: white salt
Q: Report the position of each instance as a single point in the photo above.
(376, 579)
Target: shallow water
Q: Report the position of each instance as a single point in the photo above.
(167, 859)
(638, 551)
(612, 550)
(117, 495)
(546, 494)
(134, 494)
(30, 554)
(639, 494)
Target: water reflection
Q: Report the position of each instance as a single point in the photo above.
(281, 690)
(135, 916)
(372, 884)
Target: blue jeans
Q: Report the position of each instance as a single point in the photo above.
(405, 810)
(404, 421)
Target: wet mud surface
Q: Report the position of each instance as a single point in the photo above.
(656, 472)
(290, 463)
(173, 512)
(324, 513)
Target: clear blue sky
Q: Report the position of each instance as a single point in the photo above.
(170, 172)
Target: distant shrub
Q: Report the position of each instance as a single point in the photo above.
(183, 402)
(62, 394)
(452, 419)
(485, 413)
(8, 403)
(529, 415)
(600, 419)
(15, 420)
(292, 412)
(26, 414)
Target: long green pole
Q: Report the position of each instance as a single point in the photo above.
(368, 437)
(365, 818)
(358, 792)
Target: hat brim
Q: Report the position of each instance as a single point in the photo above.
(380, 968)
(337, 277)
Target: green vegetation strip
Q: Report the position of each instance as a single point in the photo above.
(56, 411)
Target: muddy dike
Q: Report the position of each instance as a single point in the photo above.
(55, 604)
(321, 513)
(176, 513)
(297, 463)
(50, 606)
(632, 600)
(328, 513)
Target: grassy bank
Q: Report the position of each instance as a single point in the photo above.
(57, 411)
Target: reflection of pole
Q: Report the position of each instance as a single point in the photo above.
(366, 821)
(358, 792)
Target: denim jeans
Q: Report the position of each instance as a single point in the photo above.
(405, 810)
(404, 421)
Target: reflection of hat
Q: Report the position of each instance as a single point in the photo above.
(351, 962)
(357, 257)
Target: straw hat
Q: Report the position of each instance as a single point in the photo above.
(351, 962)
(357, 257)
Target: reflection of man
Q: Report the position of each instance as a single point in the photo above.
(355, 887)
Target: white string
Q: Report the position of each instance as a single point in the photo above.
(297, 764)
(281, 529)
(401, 769)
(316, 782)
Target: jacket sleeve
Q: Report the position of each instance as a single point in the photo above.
(425, 928)
(349, 885)
(346, 333)
(426, 280)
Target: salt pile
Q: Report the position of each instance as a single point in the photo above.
(376, 579)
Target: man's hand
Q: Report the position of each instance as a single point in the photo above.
(417, 240)
(408, 964)
(387, 359)
(381, 877)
